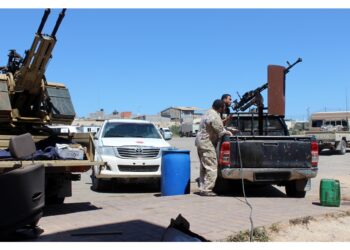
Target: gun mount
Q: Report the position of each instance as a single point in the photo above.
(254, 97)
(26, 96)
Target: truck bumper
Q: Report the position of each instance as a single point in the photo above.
(268, 175)
(129, 168)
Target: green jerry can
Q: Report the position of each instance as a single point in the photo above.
(330, 193)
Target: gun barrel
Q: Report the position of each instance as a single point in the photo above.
(58, 23)
(292, 65)
(43, 21)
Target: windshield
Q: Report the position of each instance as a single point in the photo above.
(140, 130)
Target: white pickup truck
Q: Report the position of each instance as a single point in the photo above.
(331, 130)
(335, 140)
(131, 150)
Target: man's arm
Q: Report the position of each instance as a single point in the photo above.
(218, 126)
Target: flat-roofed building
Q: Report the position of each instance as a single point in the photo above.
(177, 114)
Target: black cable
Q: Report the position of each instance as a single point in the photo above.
(244, 194)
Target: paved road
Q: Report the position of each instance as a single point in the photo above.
(138, 213)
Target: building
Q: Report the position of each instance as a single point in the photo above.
(157, 120)
(125, 115)
(101, 115)
(87, 125)
(178, 114)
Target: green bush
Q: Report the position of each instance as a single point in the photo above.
(175, 129)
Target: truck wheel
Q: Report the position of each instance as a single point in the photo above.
(342, 150)
(222, 186)
(295, 189)
(158, 185)
(54, 200)
(98, 184)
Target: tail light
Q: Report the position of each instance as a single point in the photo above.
(225, 154)
(314, 153)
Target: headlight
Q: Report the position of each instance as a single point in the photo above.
(107, 151)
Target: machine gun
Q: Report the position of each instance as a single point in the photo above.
(27, 96)
(253, 97)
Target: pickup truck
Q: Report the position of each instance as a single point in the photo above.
(337, 141)
(272, 158)
(131, 150)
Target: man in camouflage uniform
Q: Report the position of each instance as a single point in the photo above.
(210, 131)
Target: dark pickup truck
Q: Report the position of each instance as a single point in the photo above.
(272, 158)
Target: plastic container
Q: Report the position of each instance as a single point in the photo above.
(176, 172)
(330, 193)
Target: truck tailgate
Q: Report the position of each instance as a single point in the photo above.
(271, 152)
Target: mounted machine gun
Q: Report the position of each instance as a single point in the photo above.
(276, 89)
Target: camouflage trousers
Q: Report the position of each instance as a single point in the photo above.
(208, 169)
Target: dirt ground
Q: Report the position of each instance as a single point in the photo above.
(327, 228)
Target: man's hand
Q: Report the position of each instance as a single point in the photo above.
(228, 133)
(226, 120)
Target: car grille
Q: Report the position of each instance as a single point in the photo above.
(138, 152)
(128, 168)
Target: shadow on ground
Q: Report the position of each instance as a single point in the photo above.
(132, 231)
(235, 189)
(68, 208)
(119, 187)
(328, 152)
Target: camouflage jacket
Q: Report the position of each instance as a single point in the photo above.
(211, 129)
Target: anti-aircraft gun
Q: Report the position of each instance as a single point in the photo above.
(27, 99)
(28, 102)
(276, 88)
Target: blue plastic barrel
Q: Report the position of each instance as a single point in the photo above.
(176, 172)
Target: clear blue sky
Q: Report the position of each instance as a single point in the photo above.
(147, 60)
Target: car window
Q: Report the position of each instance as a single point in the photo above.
(139, 130)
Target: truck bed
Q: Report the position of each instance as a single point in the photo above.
(329, 135)
(85, 139)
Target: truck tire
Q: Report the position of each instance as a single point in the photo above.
(222, 186)
(342, 150)
(295, 189)
(98, 184)
(54, 200)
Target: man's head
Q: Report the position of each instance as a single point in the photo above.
(218, 105)
(227, 99)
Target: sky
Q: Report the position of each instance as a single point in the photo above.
(146, 60)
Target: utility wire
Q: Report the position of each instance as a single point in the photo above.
(251, 233)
